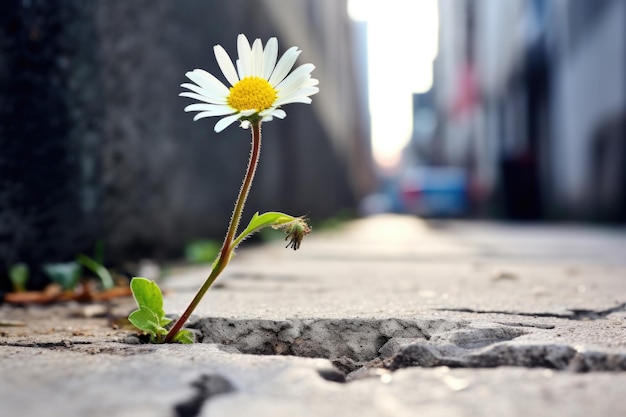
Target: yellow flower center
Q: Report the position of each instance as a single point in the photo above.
(252, 93)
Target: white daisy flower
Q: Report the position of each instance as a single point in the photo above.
(260, 85)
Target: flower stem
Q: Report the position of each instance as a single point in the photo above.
(227, 247)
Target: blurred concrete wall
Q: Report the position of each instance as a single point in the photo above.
(51, 131)
(94, 143)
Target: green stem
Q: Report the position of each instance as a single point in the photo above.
(228, 246)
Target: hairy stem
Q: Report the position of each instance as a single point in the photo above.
(227, 246)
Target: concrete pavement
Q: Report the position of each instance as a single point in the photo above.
(386, 316)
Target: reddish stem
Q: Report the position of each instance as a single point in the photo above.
(227, 246)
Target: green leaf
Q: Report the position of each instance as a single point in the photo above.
(18, 274)
(259, 222)
(98, 269)
(185, 337)
(147, 320)
(150, 316)
(65, 274)
(148, 294)
(164, 321)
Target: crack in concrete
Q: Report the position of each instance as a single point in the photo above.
(532, 325)
(45, 345)
(350, 340)
(333, 375)
(575, 314)
(348, 343)
(206, 387)
(82, 346)
(362, 347)
(365, 347)
(552, 356)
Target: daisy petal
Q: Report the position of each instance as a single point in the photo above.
(279, 114)
(267, 119)
(239, 68)
(298, 76)
(215, 110)
(270, 54)
(202, 115)
(284, 65)
(257, 59)
(294, 90)
(247, 113)
(203, 92)
(310, 82)
(297, 89)
(201, 107)
(201, 97)
(295, 99)
(302, 92)
(194, 87)
(226, 65)
(307, 91)
(225, 122)
(212, 85)
(245, 55)
(305, 100)
(273, 112)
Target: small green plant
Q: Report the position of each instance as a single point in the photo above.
(97, 268)
(65, 274)
(150, 316)
(19, 274)
(260, 85)
(68, 274)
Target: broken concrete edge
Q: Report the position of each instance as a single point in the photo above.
(572, 314)
(361, 347)
(397, 343)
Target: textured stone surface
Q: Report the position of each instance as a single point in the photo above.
(72, 382)
(389, 316)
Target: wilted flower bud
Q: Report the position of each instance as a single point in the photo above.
(295, 230)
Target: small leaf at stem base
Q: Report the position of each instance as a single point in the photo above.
(150, 317)
(185, 337)
(147, 320)
(148, 294)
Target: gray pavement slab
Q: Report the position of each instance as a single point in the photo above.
(385, 316)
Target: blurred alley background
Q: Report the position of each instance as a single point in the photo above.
(497, 109)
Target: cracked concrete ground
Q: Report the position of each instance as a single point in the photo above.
(387, 316)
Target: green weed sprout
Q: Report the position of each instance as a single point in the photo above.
(260, 85)
(68, 274)
(150, 316)
(65, 274)
(97, 268)
(19, 274)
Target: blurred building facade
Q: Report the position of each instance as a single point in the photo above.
(530, 98)
(95, 146)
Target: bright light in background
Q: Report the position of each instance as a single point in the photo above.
(402, 38)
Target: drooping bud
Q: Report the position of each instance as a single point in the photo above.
(295, 231)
